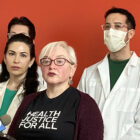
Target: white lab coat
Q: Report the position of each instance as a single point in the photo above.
(120, 107)
(15, 102)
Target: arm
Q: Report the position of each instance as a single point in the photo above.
(90, 123)
(82, 84)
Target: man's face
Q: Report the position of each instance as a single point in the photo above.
(116, 21)
(17, 29)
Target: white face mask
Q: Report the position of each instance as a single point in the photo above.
(114, 39)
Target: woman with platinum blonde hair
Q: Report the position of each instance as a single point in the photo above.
(60, 112)
(70, 51)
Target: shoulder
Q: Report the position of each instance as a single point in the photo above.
(88, 110)
(3, 84)
(27, 100)
(88, 106)
(86, 101)
(135, 57)
(34, 94)
(94, 66)
(31, 97)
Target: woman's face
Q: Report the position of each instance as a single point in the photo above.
(17, 59)
(55, 75)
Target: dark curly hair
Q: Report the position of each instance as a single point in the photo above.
(30, 82)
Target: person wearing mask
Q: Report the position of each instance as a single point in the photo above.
(19, 76)
(61, 112)
(114, 82)
(25, 26)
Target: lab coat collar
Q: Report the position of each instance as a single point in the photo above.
(103, 69)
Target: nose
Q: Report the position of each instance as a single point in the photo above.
(52, 65)
(16, 59)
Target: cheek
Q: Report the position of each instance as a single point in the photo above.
(8, 64)
(7, 61)
(65, 72)
(126, 37)
(44, 70)
(25, 64)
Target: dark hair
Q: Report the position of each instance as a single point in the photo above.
(30, 83)
(130, 19)
(23, 21)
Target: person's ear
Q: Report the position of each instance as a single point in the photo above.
(131, 33)
(4, 59)
(31, 62)
(73, 69)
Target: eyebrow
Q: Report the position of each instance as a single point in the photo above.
(114, 23)
(56, 56)
(15, 52)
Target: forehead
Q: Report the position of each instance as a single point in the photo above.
(115, 17)
(19, 47)
(57, 51)
(19, 29)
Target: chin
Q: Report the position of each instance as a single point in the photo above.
(51, 82)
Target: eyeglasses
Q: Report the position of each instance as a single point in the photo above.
(117, 26)
(57, 61)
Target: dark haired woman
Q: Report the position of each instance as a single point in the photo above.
(19, 74)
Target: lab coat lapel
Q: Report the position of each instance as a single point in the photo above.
(103, 69)
(124, 77)
(2, 91)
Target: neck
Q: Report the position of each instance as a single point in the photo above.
(121, 55)
(55, 90)
(15, 81)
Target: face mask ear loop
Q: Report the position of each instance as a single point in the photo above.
(127, 40)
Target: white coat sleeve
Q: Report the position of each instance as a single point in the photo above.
(134, 132)
(82, 84)
(40, 78)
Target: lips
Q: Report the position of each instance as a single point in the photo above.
(15, 67)
(51, 74)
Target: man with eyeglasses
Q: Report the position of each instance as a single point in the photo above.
(114, 82)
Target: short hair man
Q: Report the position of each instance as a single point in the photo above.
(21, 25)
(25, 26)
(114, 82)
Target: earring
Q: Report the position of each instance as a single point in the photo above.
(70, 81)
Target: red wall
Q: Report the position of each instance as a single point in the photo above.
(76, 21)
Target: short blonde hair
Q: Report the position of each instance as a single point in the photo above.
(49, 47)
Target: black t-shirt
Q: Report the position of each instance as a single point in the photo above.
(50, 119)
